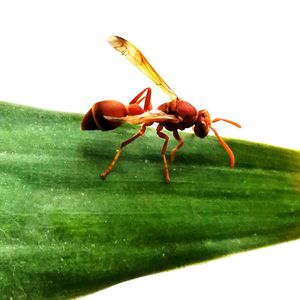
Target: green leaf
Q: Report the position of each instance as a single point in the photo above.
(65, 232)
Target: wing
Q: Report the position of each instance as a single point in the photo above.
(147, 117)
(136, 57)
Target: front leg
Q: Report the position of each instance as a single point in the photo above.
(163, 151)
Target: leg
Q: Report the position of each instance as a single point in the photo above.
(138, 99)
(123, 144)
(163, 151)
(178, 146)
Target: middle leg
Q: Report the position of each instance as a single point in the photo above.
(178, 146)
(163, 151)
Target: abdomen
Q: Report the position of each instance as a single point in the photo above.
(94, 118)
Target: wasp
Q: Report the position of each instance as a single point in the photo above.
(174, 115)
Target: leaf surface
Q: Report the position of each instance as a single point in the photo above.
(65, 232)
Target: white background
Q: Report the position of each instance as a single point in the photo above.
(238, 59)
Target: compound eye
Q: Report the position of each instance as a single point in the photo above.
(201, 130)
(203, 115)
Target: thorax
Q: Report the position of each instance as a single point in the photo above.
(183, 110)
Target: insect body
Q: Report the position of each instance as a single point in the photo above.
(174, 115)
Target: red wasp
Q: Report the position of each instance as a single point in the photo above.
(174, 115)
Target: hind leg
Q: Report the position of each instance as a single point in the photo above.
(123, 144)
(138, 99)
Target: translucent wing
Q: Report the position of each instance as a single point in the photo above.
(147, 117)
(136, 57)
